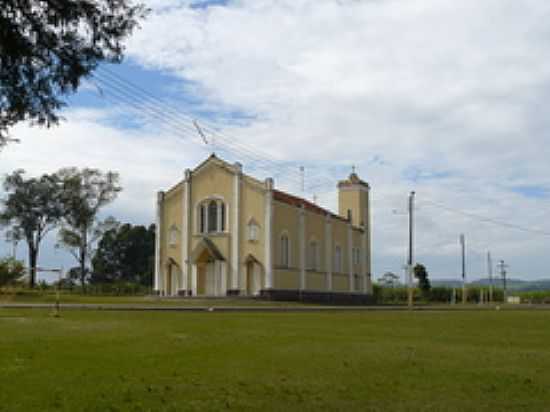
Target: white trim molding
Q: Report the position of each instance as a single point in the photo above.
(268, 233)
(328, 252)
(158, 284)
(185, 231)
(350, 257)
(302, 245)
(235, 263)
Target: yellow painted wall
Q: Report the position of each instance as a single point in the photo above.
(212, 180)
(286, 279)
(252, 207)
(285, 219)
(340, 283)
(316, 280)
(340, 237)
(315, 230)
(171, 215)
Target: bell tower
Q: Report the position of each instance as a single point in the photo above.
(353, 200)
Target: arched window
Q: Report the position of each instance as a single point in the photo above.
(211, 216)
(338, 259)
(202, 218)
(313, 256)
(222, 217)
(285, 261)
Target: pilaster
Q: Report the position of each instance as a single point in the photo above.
(328, 251)
(235, 238)
(158, 284)
(350, 257)
(268, 233)
(302, 240)
(187, 213)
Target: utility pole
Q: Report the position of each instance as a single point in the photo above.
(302, 180)
(502, 268)
(490, 273)
(410, 259)
(463, 246)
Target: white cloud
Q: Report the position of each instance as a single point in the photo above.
(148, 159)
(455, 89)
(438, 85)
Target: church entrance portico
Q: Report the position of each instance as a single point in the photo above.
(209, 270)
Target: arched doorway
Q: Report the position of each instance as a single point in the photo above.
(254, 276)
(172, 278)
(209, 270)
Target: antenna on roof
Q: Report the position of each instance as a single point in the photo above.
(315, 199)
(203, 136)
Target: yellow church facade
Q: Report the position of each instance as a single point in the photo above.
(221, 232)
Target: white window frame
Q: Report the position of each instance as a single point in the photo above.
(204, 203)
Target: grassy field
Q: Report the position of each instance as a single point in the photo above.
(50, 297)
(396, 361)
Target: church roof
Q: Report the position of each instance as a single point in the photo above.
(306, 204)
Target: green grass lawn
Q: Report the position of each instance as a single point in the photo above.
(50, 297)
(174, 361)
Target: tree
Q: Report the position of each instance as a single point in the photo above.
(47, 47)
(84, 193)
(389, 279)
(11, 270)
(125, 254)
(422, 275)
(32, 209)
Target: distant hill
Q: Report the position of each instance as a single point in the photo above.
(511, 284)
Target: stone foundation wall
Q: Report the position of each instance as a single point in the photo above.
(308, 296)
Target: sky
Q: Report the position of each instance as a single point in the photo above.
(441, 97)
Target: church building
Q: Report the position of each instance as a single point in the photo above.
(221, 232)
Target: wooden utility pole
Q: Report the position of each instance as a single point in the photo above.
(463, 247)
(502, 267)
(410, 259)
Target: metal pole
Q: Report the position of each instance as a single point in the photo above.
(463, 245)
(410, 259)
(490, 273)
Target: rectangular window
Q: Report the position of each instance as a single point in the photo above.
(313, 258)
(338, 259)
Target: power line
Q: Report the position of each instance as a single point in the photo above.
(487, 219)
(228, 140)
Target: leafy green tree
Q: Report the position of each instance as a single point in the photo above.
(85, 192)
(11, 270)
(125, 254)
(32, 209)
(389, 279)
(47, 47)
(422, 275)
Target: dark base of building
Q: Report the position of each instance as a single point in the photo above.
(327, 298)
(233, 292)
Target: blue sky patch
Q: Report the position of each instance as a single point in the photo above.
(155, 95)
(204, 4)
(534, 192)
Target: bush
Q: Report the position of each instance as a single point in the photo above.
(11, 270)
